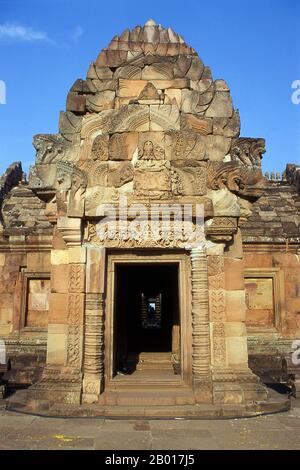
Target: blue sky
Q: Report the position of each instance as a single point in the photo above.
(45, 45)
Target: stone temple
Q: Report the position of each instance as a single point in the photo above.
(125, 321)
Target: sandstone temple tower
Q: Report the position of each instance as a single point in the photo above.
(151, 325)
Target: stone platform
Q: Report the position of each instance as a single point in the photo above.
(136, 410)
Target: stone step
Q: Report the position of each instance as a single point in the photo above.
(155, 397)
(151, 360)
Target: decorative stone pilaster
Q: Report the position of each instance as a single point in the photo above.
(93, 382)
(93, 364)
(200, 324)
(217, 309)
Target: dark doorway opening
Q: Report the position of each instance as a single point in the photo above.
(146, 323)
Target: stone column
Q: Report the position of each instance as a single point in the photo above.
(200, 324)
(93, 381)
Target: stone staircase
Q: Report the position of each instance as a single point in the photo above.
(150, 361)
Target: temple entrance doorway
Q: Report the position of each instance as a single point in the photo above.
(146, 320)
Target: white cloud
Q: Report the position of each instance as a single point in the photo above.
(76, 35)
(14, 31)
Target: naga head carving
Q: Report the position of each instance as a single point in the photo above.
(247, 151)
(238, 179)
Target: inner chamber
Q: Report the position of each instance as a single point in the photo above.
(147, 323)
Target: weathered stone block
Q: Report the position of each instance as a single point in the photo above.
(58, 311)
(101, 101)
(235, 305)
(76, 103)
(201, 126)
(196, 69)
(59, 257)
(99, 149)
(122, 146)
(221, 85)
(102, 85)
(119, 173)
(111, 58)
(95, 272)
(152, 176)
(172, 94)
(149, 93)
(130, 118)
(43, 177)
(96, 198)
(201, 85)
(189, 178)
(76, 278)
(5, 330)
(235, 329)
(77, 255)
(237, 352)
(217, 147)
(38, 262)
(102, 73)
(164, 117)
(91, 390)
(217, 305)
(59, 279)
(177, 83)
(181, 145)
(130, 88)
(189, 101)
(159, 71)
(130, 72)
(221, 105)
(57, 344)
(96, 171)
(234, 274)
(151, 146)
(6, 316)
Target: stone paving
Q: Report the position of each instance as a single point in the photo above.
(278, 431)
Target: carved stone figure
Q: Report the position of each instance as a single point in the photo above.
(49, 147)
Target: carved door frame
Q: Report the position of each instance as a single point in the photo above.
(145, 256)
